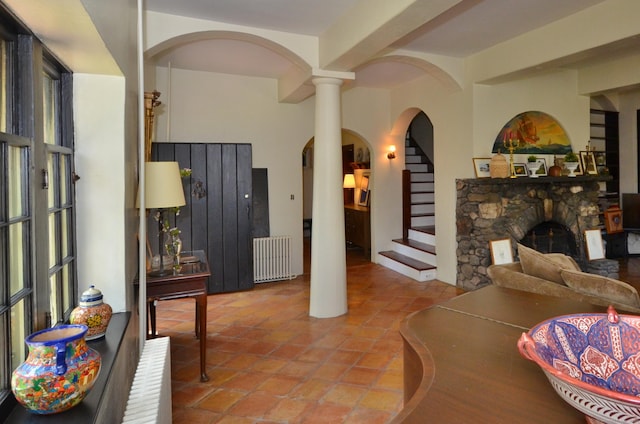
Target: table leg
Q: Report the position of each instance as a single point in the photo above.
(152, 317)
(197, 321)
(201, 302)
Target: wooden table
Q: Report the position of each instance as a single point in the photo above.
(191, 281)
(462, 365)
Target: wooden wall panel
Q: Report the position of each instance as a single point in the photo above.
(218, 215)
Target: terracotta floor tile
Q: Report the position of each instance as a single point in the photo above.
(268, 361)
(315, 354)
(359, 344)
(279, 385)
(289, 410)
(194, 416)
(369, 416)
(298, 368)
(246, 381)
(361, 376)
(345, 394)
(346, 357)
(313, 389)
(327, 413)
(375, 360)
(330, 371)
(391, 379)
(269, 365)
(383, 400)
(288, 351)
(221, 400)
(190, 394)
(254, 405)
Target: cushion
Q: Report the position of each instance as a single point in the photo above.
(545, 266)
(598, 285)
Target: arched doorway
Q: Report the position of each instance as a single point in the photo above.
(356, 154)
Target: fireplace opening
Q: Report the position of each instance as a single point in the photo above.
(551, 237)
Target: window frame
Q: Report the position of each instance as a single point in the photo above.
(25, 63)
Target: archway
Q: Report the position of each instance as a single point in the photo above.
(356, 159)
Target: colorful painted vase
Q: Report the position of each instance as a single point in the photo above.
(93, 313)
(58, 372)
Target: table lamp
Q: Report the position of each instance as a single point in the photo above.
(349, 182)
(163, 190)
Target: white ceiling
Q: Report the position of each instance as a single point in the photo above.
(469, 27)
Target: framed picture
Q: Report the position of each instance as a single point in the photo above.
(595, 247)
(613, 220)
(588, 163)
(601, 162)
(363, 200)
(543, 171)
(501, 251)
(481, 166)
(520, 169)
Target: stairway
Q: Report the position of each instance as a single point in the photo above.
(415, 256)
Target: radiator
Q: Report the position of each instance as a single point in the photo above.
(150, 395)
(272, 259)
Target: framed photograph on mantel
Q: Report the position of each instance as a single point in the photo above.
(520, 169)
(588, 163)
(481, 166)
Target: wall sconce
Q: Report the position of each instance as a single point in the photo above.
(349, 181)
(392, 152)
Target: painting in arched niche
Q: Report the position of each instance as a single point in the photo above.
(533, 133)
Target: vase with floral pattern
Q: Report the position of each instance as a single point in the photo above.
(93, 313)
(59, 371)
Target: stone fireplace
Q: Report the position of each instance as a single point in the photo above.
(560, 209)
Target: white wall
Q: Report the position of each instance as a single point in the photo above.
(100, 203)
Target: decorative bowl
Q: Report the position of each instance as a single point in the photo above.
(592, 361)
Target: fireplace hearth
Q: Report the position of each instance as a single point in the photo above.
(549, 214)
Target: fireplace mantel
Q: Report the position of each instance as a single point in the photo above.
(540, 180)
(498, 208)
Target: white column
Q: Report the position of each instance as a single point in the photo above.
(328, 252)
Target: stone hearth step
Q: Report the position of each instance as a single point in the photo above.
(413, 268)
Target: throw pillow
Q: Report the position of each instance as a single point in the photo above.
(604, 287)
(545, 266)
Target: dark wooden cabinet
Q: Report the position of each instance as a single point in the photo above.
(357, 227)
(218, 215)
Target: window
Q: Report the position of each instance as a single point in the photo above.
(37, 240)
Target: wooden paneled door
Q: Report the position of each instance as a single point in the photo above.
(218, 215)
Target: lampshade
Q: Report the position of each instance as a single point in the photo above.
(349, 181)
(163, 186)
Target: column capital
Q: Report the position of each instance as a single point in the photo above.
(317, 73)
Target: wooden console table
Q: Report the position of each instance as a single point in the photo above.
(462, 365)
(190, 282)
(357, 227)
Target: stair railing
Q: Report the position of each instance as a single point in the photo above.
(406, 203)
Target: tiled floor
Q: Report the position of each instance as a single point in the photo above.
(269, 362)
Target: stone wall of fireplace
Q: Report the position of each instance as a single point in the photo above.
(492, 209)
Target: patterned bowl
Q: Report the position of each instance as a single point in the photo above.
(592, 362)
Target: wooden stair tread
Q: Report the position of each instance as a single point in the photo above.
(418, 215)
(429, 229)
(416, 245)
(405, 260)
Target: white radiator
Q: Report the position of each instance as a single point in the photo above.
(150, 395)
(272, 259)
